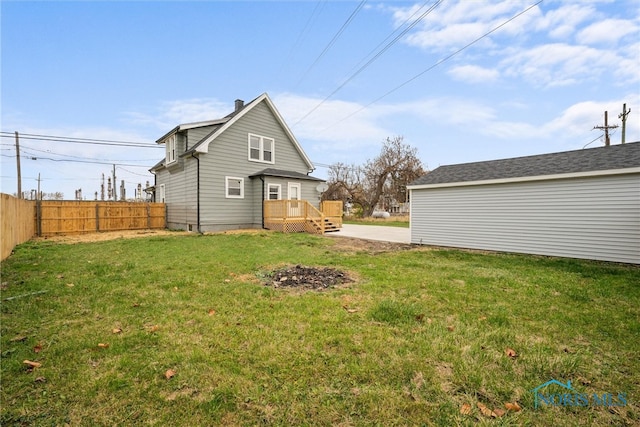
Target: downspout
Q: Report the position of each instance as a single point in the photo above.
(197, 191)
(262, 201)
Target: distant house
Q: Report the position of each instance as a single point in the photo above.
(216, 174)
(577, 204)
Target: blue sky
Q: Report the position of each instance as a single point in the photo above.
(131, 71)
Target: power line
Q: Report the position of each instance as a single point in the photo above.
(79, 157)
(372, 60)
(333, 40)
(71, 139)
(437, 63)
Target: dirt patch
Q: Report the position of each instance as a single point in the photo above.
(107, 235)
(352, 244)
(316, 278)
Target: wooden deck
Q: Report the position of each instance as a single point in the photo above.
(296, 216)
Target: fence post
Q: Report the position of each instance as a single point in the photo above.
(97, 216)
(39, 217)
(148, 216)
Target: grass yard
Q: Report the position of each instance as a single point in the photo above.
(181, 331)
(392, 221)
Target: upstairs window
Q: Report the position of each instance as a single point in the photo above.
(171, 148)
(261, 149)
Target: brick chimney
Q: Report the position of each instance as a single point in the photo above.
(239, 104)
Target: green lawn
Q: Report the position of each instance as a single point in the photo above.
(393, 221)
(422, 337)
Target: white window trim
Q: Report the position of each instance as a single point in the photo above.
(162, 195)
(261, 149)
(279, 191)
(171, 149)
(226, 187)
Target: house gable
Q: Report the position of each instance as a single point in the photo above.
(203, 146)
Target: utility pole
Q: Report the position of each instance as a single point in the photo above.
(115, 194)
(18, 166)
(39, 195)
(606, 128)
(623, 116)
(102, 188)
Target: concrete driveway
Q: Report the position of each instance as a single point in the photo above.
(374, 232)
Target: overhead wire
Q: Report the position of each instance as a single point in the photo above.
(333, 40)
(372, 60)
(71, 139)
(441, 61)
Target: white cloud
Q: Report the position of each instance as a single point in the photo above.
(474, 74)
(330, 125)
(609, 31)
(169, 114)
(561, 23)
(558, 64)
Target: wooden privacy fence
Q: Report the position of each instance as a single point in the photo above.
(17, 221)
(74, 217)
(23, 219)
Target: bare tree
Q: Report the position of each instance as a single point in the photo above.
(388, 174)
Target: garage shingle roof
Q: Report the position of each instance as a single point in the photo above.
(620, 156)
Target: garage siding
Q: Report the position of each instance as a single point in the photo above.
(593, 217)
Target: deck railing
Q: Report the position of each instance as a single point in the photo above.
(296, 216)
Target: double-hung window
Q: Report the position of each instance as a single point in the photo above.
(171, 148)
(234, 187)
(261, 149)
(274, 191)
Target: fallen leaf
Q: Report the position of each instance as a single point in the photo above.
(584, 381)
(212, 312)
(450, 328)
(465, 409)
(486, 411)
(40, 380)
(103, 345)
(153, 328)
(32, 364)
(514, 407)
(499, 412)
(71, 285)
(37, 348)
(227, 280)
(349, 310)
(511, 353)
(482, 318)
(116, 330)
(169, 374)
(135, 304)
(18, 338)
(60, 276)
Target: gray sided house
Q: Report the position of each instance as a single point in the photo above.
(216, 173)
(576, 204)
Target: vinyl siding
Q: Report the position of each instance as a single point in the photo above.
(228, 156)
(593, 218)
(180, 194)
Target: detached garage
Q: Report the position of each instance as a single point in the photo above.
(577, 204)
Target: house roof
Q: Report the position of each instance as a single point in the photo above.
(613, 157)
(284, 174)
(193, 125)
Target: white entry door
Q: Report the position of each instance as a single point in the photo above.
(293, 194)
